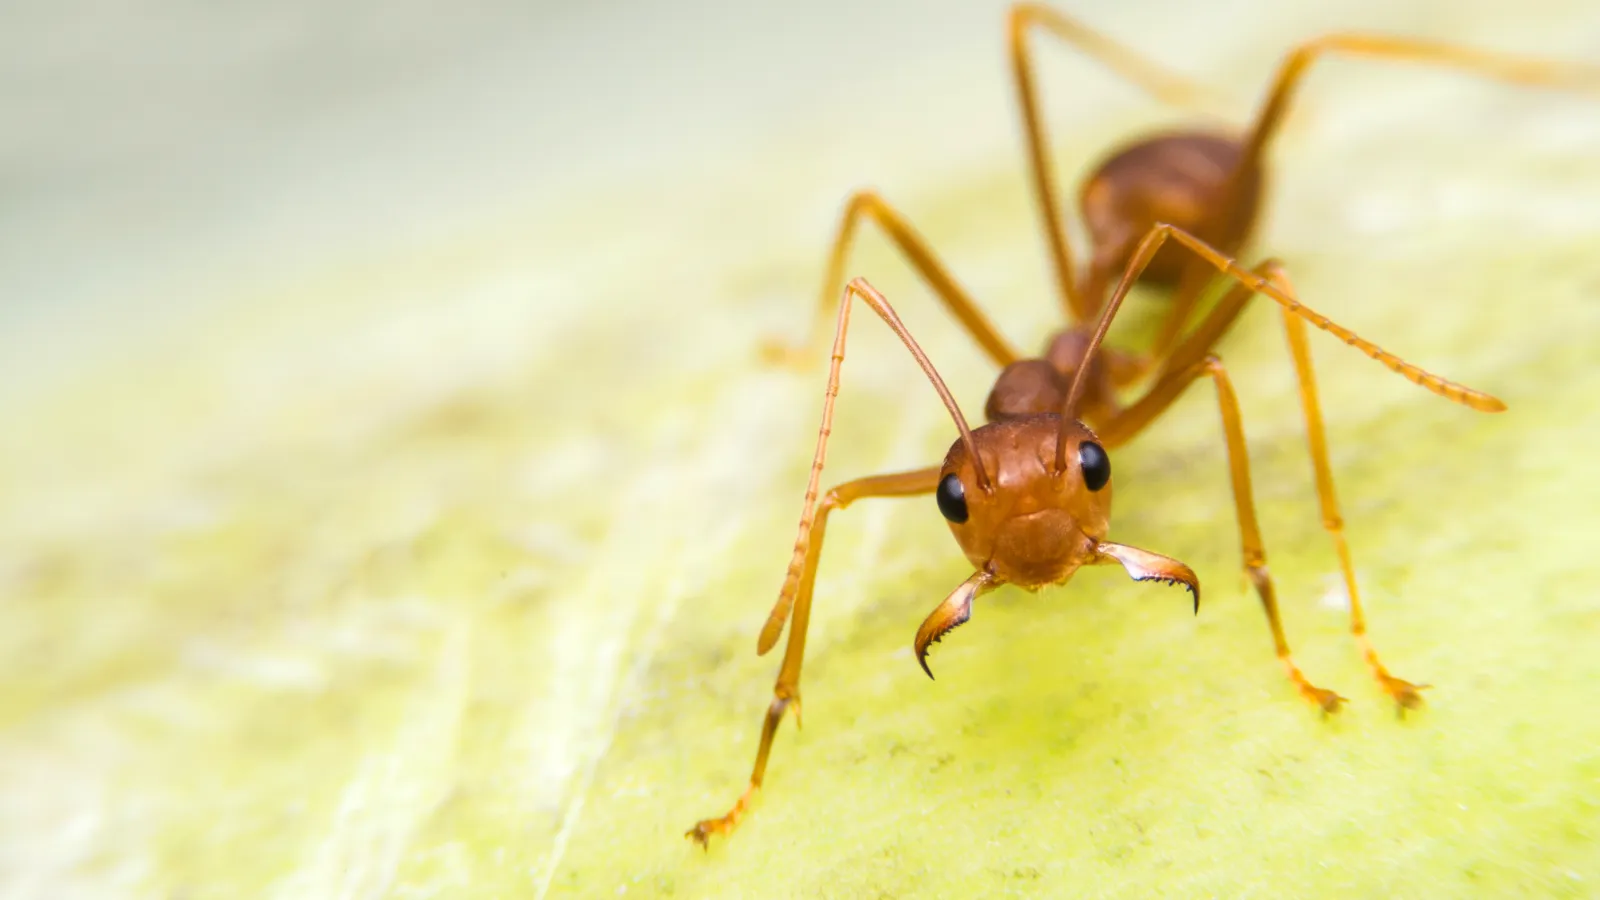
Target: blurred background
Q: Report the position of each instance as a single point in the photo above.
(390, 497)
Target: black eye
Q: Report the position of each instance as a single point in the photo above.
(952, 499)
(1095, 464)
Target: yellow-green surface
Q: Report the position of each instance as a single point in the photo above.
(456, 595)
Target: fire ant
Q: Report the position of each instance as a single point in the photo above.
(1028, 495)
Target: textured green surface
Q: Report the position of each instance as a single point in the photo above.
(460, 599)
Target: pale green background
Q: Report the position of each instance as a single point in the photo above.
(391, 501)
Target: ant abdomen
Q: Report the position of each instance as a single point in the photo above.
(1180, 178)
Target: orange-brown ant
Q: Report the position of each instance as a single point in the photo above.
(1028, 495)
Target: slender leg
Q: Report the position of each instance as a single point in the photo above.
(787, 690)
(1228, 225)
(1499, 66)
(1197, 345)
(1404, 693)
(1269, 279)
(1151, 405)
(1162, 83)
(867, 204)
(795, 597)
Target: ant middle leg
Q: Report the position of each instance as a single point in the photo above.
(1195, 348)
(1153, 404)
(1183, 368)
(868, 204)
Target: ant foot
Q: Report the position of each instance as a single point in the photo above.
(1328, 701)
(1406, 695)
(703, 830)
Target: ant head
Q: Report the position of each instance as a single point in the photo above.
(1023, 521)
(1023, 518)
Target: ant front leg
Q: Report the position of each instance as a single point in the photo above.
(867, 204)
(1152, 405)
(795, 597)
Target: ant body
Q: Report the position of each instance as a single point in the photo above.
(1028, 495)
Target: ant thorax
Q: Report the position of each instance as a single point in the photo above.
(1031, 387)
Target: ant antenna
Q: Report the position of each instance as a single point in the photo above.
(880, 305)
(1069, 410)
(1450, 390)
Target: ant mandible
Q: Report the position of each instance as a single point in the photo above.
(1028, 495)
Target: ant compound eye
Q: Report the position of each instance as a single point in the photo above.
(952, 499)
(1095, 464)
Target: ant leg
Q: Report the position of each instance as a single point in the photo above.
(795, 596)
(1227, 226)
(1404, 693)
(1194, 349)
(1163, 84)
(1153, 404)
(797, 587)
(1499, 66)
(1171, 383)
(869, 205)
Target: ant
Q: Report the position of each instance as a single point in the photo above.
(1028, 495)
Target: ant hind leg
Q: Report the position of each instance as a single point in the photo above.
(1080, 305)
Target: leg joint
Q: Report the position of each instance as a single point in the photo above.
(863, 200)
